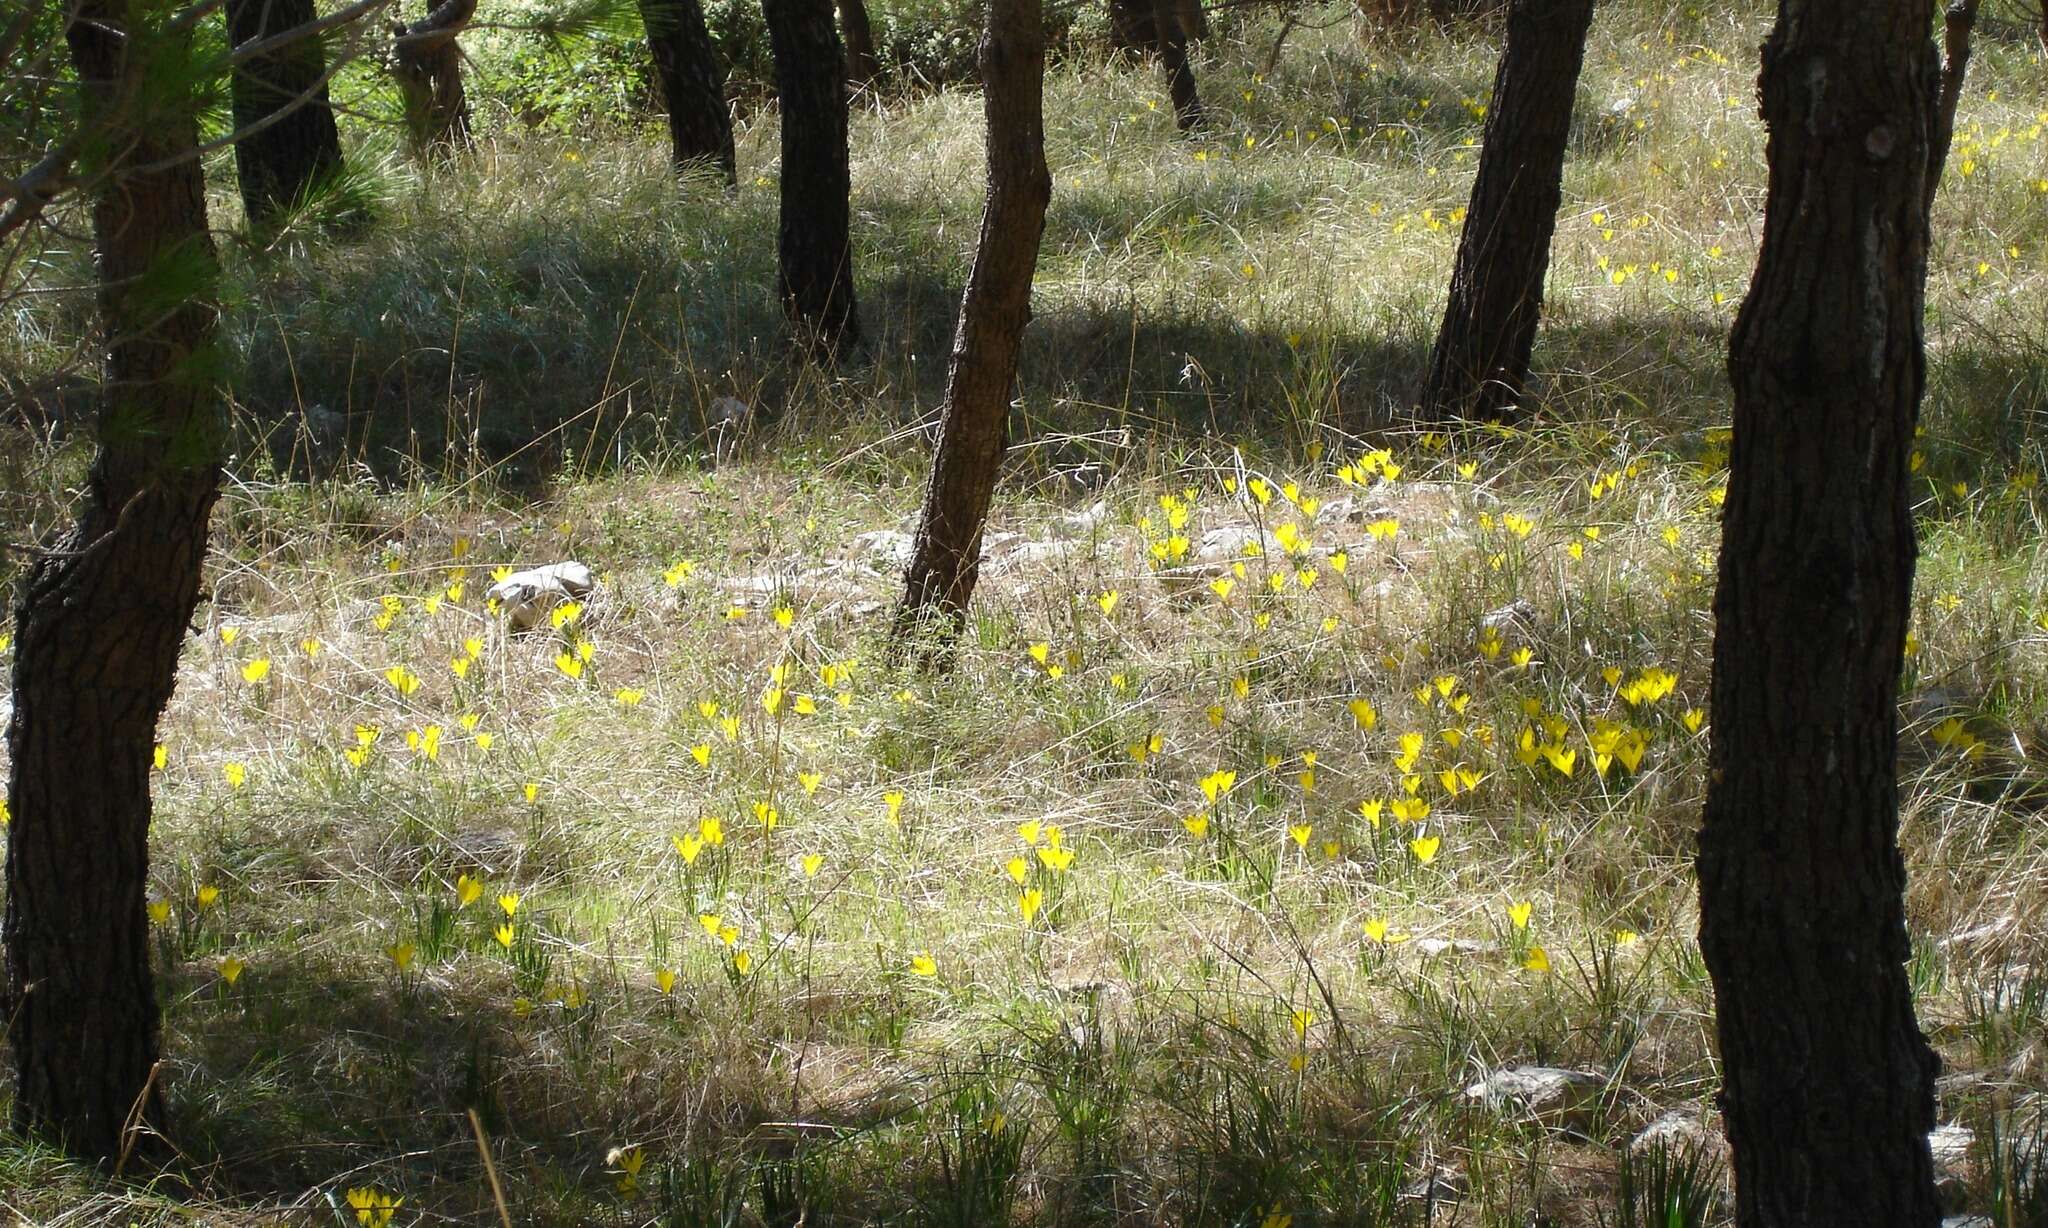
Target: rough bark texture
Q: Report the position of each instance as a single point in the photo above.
(101, 618)
(814, 275)
(860, 43)
(1958, 23)
(1173, 57)
(297, 153)
(692, 84)
(1131, 29)
(1159, 29)
(428, 64)
(1481, 359)
(1828, 1084)
(974, 428)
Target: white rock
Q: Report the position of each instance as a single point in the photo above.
(887, 547)
(1082, 524)
(1518, 615)
(1437, 1185)
(1676, 1131)
(525, 597)
(1023, 554)
(1950, 1144)
(1547, 1093)
(1432, 947)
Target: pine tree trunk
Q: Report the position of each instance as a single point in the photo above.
(1959, 22)
(860, 43)
(428, 64)
(101, 618)
(814, 274)
(1173, 57)
(1828, 1084)
(692, 85)
(974, 426)
(300, 151)
(1481, 359)
(1132, 32)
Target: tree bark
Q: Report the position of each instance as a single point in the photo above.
(974, 425)
(1159, 30)
(1959, 21)
(692, 85)
(1481, 359)
(1173, 57)
(860, 43)
(814, 273)
(1132, 32)
(299, 152)
(428, 62)
(101, 617)
(1828, 1083)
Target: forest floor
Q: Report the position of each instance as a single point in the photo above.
(1299, 769)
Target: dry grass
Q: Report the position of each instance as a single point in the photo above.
(1187, 1030)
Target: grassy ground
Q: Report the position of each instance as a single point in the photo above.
(1209, 878)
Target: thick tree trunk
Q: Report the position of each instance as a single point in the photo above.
(1828, 1084)
(974, 427)
(860, 43)
(102, 616)
(299, 151)
(428, 63)
(1958, 23)
(692, 84)
(814, 274)
(1481, 360)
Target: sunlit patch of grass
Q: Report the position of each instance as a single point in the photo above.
(1301, 764)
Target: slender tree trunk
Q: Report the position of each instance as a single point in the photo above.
(1481, 360)
(1959, 21)
(428, 63)
(1173, 57)
(1828, 1084)
(860, 43)
(300, 151)
(101, 617)
(974, 427)
(814, 275)
(1159, 30)
(692, 84)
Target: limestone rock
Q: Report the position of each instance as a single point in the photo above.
(1545, 1093)
(887, 549)
(1432, 947)
(1516, 615)
(1679, 1130)
(525, 597)
(1951, 1146)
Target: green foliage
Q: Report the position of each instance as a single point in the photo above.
(1666, 1187)
(565, 86)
